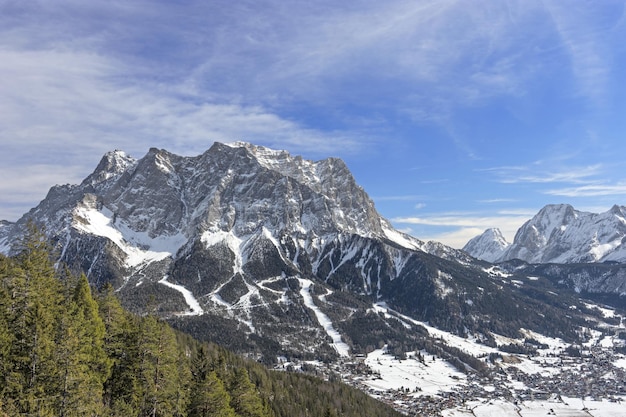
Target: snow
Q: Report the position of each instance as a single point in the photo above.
(567, 407)
(305, 290)
(4, 246)
(466, 344)
(496, 271)
(100, 223)
(430, 377)
(601, 250)
(191, 301)
(163, 164)
(606, 312)
(400, 238)
(620, 363)
(212, 238)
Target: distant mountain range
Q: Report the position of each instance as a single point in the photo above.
(558, 234)
(276, 256)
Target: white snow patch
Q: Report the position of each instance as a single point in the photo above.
(468, 345)
(496, 271)
(305, 290)
(570, 407)
(620, 363)
(212, 238)
(606, 312)
(4, 246)
(100, 223)
(430, 377)
(191, 301)
(401, 239)
(601, 250)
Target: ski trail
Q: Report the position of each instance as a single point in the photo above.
(305, 291)
(191, 301)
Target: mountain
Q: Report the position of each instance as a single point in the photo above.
(489, 246)
(273, 255)
(559, 234)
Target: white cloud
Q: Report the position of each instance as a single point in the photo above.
(587, 40)
(590, 191)
(456, 238)
(536, 173)
(65, 109)
(456, 228)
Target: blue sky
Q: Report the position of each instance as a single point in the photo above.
(454, 115)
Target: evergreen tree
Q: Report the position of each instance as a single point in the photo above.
(34, 312)
(121, 389)
(84, 365)
(210, 398)
(158, 368)
(245, 399)
(6, 335)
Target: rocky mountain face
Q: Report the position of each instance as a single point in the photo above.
(268, 253)
(559, 234)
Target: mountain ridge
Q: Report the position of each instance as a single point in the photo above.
(231, 243)
(558, 233)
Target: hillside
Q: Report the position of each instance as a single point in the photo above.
(66, 352)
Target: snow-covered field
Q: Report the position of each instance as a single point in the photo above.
(525, 386)
(567, 407)
(430, 377)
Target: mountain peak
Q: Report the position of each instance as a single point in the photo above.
(489, 246)
(558, 233)
(112, 163)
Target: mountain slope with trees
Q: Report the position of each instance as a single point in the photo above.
(67, 352)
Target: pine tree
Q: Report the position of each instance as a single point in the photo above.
(158, 368)
(121, 389)
(84, 365)
(34, 312)
(209, 396)
(6, 336)
(244, 398)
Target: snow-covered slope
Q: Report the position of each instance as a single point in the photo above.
(560, 234)
(488, 246)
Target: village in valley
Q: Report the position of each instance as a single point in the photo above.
(558, 379)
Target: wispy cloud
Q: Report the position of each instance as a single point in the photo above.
(497, 200)
(408, 197)
(587, 46)
(456, 228)
(67, 108)
(590, 191)
(456, 238)
(536, 173)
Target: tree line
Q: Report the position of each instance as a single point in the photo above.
(67, 351)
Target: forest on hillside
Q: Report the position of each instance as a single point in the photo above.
(67, 351)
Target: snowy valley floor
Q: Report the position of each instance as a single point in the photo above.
(548, 383)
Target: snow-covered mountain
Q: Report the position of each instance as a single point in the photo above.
(490, 245)
(274, 254)
(559, 234)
